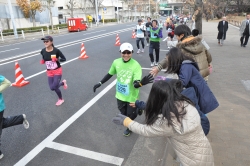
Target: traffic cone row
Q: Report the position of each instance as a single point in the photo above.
(20, 81)
(133, 35)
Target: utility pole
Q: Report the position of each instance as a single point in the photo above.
(71, 8)
(117, 12)
(149, 8)
(12, 19)
(96, 12)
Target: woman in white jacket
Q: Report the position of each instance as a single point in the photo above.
(170, 114)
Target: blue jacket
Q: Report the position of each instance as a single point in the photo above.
(189, 93)
(190, 76)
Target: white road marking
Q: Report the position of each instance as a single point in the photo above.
(163, 50)
(66, 45)
(94, 32)
(150, 69)
(19, 43)
(86, 153)
(38, 39)
(34, 152)
(165, 39)
(9, 50)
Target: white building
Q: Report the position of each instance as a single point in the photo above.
(42, 18)
(61, 11)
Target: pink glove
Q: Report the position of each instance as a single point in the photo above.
(54, 59)
(42, 61)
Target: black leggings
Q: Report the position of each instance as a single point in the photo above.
(9, 121)
(126, 109)
(138, 42)
(147, 36)
(154, 46)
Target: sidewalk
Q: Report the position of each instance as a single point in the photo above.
(230, 122)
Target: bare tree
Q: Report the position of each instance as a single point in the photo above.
(84, 5)
(71, 4)
(49, 4)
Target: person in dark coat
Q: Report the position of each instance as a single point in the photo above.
(188, 71)
(222, 28)
(245, 31)
(189, 93)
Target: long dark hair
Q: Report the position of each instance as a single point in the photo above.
(182, 29)
(175, 58)
(164, 99)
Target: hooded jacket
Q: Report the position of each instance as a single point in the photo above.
(193, 47)
(190, 77)
(186, 137)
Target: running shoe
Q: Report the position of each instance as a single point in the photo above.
(65, 86)
(1, 155)
(156, 63)
(59, 102)
(127, 132)
(26, 124)
(152, 64)
(142, 50)
(147, 44)
(139, 51)
(140, 112)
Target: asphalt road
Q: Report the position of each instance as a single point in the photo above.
(80, 131)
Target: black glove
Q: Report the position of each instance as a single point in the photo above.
(119, 119)
(156, 34)
(147, 79)
(141, 29)
(96, 86)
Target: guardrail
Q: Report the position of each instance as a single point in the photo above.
(235, 22)
(23, 34)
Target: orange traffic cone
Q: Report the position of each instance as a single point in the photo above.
(20, 81)
(83, 53)
(133, 35)
(117, 41)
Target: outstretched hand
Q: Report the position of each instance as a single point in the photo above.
(118, 119)
(154, 71)
(147, 79)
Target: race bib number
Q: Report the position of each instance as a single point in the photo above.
(122, 88)
(153, 36)
(139, 32)
(51, 65)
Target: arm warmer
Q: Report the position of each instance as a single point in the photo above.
(106, 78)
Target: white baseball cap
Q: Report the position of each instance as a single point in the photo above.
(126, 46)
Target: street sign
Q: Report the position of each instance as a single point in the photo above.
(163, 5)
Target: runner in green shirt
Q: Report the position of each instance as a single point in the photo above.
(129, 73)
